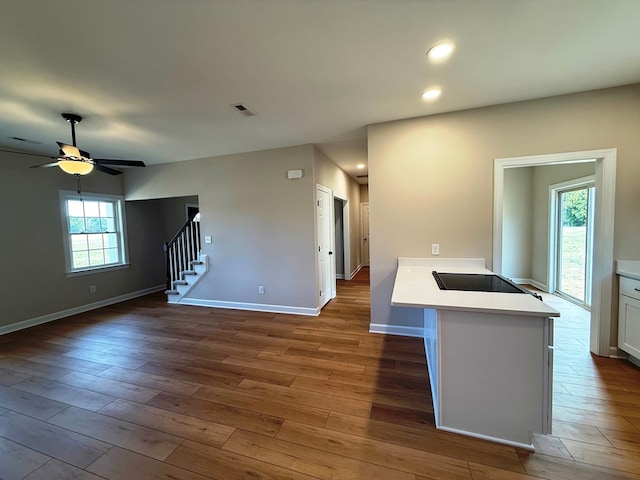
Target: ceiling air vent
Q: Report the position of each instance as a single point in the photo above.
(362, 176)
(25, 140)
(244, 109)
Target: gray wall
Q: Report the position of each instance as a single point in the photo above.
(261, 223)
(34, 282)
(431, 178)
(517, 212)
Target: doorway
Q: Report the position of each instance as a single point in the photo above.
(366, 239)
(342, 239)
(604, 209)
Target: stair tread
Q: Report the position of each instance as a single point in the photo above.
(171, 292)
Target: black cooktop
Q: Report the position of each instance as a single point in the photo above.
(476, 282)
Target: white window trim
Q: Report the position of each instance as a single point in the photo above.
(70, 194)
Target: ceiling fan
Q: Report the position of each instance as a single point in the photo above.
(74, 161)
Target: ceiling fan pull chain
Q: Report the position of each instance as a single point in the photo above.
(78, 183)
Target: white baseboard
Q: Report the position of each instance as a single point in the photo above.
(525, 446)
(32, 322)
(339, 276)
(615, 352)
(254, 307)
(353, 274)
(634, 360)
(396, 330)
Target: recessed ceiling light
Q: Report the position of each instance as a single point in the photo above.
(431, 93)
(440, 51)
(360, 166)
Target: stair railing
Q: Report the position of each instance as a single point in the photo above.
(182, 251)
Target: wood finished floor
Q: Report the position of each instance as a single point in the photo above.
(146, 390)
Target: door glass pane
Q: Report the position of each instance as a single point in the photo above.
(572, 243)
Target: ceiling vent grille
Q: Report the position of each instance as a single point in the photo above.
(25, 140)
(244, 109)
(362, 176)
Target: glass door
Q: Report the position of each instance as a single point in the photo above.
(575, 243)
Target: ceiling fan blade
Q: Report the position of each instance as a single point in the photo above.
(45, 165)
(110, 171)
(27, 153)
(67, 150)
(122, 163)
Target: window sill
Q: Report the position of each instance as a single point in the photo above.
(90, 271)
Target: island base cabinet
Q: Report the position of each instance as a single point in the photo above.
(492, 374)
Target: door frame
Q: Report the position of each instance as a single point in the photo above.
(603, 272)
(346, 238)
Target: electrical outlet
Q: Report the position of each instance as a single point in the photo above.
(92, 289)
(435, 249)
(207, 239)
(261, 289)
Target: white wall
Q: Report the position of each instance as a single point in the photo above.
(431, 178)
(261, 223)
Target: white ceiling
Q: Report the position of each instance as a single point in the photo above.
(155, 79)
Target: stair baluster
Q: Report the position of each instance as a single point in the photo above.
(181, 252)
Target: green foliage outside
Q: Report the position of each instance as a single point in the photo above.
(574, 208)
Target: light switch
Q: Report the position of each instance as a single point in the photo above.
(435, 249)
(207, 239)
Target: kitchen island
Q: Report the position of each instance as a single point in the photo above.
(489, 354)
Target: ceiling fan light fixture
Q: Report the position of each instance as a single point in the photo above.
(75, 167)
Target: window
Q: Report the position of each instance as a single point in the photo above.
(94, 236)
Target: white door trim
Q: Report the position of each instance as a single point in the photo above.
(603, 273)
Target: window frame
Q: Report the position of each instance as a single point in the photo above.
(120, 227)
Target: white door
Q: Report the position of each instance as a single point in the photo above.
(326, 278)
(366, 239)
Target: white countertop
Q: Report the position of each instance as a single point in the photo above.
(628, 268)
(415, 287)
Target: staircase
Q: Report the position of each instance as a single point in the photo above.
(186, 264)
